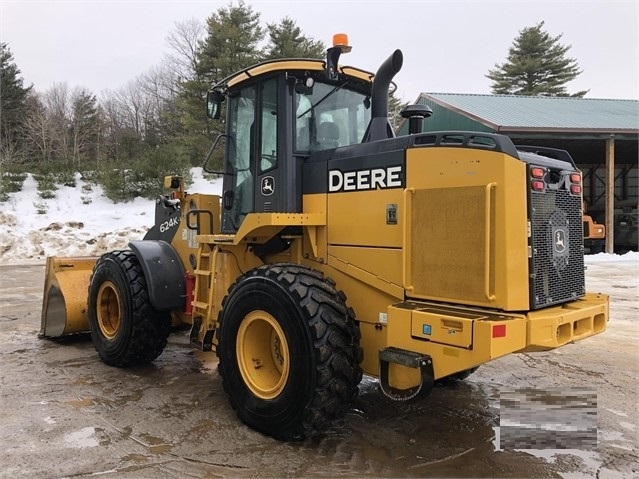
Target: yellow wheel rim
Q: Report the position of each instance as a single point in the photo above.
(108, 310)
(262, 354)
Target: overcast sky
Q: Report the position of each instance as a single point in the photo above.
(448, 46)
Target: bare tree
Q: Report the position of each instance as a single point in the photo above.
(38, 128)
(58, 109)
(184, 42)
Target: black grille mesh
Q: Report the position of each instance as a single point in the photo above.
(557, 248)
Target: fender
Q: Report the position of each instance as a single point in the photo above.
(164, 273)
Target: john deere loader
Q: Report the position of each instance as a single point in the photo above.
(337, 249)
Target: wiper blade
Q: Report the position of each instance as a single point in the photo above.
(337, 87)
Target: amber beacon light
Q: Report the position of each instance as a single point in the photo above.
(341, 40)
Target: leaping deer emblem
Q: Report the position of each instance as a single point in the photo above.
(267, 186)
(560, 246)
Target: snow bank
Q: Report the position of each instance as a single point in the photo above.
(79, 221)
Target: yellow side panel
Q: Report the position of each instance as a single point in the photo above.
(184, 240)
(359, 218)
(466, 231)
(315, 237)
(382, 263)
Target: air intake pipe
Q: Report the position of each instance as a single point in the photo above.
(379, 128)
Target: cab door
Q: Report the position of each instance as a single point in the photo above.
(269, 188)
(238, 197)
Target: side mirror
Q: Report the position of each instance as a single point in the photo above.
(214, 104)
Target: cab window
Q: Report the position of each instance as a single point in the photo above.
(329, 117)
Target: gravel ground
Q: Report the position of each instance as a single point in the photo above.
(63, 413)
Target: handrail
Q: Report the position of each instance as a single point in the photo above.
(197, 213)
(406, 243)
(487, 236)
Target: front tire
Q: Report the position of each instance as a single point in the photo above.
(288, 350)
(125, 328)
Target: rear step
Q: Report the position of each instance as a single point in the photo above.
(409, 359)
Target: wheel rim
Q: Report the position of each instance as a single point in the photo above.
(108, 310)
(262, 355)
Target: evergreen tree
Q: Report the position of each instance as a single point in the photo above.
(231, 44)
(85, 125)
(13, 98)
(287, 41)
(536, 65)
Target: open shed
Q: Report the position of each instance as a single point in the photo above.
(602, 136)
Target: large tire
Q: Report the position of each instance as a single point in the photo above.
(125, 328)
(288, 350)
(460, 376)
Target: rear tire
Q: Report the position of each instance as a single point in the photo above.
(460, 376)
(125, 328)
(288, 350)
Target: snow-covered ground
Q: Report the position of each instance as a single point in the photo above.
(76, 222)
(70, 225)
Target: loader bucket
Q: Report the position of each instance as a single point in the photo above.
(64, 303)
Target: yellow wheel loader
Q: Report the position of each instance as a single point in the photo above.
(337, 249)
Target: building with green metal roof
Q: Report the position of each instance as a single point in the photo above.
(602, 135)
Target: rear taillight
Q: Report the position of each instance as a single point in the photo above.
(538, 175)
(575, 183)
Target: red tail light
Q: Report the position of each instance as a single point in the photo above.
(538, 185)
(537, 172)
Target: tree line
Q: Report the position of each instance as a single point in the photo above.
(157, 119)
(156, 123)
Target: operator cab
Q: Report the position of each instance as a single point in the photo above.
(278, 114)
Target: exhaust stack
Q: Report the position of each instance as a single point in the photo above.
(379, 127)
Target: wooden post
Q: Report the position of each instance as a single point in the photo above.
(610, 194)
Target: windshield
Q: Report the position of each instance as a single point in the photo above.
(330, 116)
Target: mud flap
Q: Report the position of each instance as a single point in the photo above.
(64, 302)
(423, 362)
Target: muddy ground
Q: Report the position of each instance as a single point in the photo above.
(63, 413)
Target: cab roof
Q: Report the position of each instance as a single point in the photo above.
(289, 64)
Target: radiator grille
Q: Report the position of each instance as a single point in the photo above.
(557, 264)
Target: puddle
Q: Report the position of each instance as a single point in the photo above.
(82, 439)
(80, 403)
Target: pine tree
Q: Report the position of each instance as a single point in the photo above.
(231, 44)
(536, 65)
(85, 125)
(287, 41)
(13, 98)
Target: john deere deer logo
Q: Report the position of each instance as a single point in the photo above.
(560, 241)
(267, 185)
